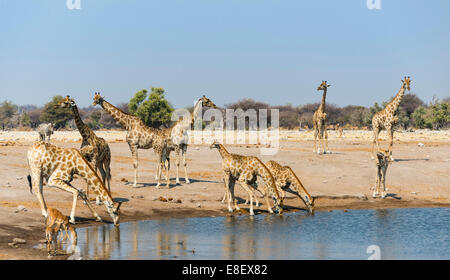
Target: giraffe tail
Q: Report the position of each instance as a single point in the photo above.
(29, 183)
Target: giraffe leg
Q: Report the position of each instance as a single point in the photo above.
(107, 166)
(321, 145)
(315, 139)
(103, 174)
(383, 181)
(326, 142)
(230, 184)
(61, 184)
(163, 162)
(177, 163)
(37, 188)
(377, 183)
(391, 141)
(225, 195)
(134, 154)
(376, 132)
(183, 152)
(247, 187)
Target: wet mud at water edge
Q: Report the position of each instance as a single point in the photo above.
(410, 233)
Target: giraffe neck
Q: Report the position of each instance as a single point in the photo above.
(93, 180)
(84, 130)
(197, 110)
(121, 117)
(301, 189)
(324, 96)
(393, 105)
(185, 123)
(223, 152)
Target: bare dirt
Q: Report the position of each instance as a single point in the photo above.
(341, 180)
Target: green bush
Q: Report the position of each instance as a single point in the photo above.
(153, 111)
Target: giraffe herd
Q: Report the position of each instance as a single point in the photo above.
(58, 165)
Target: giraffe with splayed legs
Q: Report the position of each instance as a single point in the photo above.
(320, 122)
(139, 136)
(286, 180)
(245, 170)
(59, 165)
(382, 162)
(386, 118)
(93, 148)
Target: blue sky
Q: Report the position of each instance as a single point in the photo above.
(275, 51)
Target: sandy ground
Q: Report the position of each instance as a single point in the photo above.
(418, 178)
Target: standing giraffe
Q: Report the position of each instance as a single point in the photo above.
(320, 121)
(59, 165)
(245, 170)
(386, 118)
(93, 148)
(179, 137)
(139, 136)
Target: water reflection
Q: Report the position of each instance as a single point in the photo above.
(400, 233)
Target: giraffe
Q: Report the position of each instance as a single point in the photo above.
(382, 161)
(245, 170)
(386, 118)
(179, 137)
(59, 165)
(320, 121)
(286, 179)
(45, 130)
(139, 136)
(93, 148)
(53, 224)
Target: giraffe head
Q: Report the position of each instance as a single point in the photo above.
(406, 83)
(114, 211)
(97, 99)
(215, 144)
(67, 102)
(323, 86)
(309, 201)
(206, 102)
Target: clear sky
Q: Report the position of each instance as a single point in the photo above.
(275, 51)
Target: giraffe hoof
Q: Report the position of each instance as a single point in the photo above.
(72, 221)
(187, 181)
(99, 219)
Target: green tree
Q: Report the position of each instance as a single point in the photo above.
(7, 112)
(439, 114)
(154, 111)
(55, 114)
(419, 116)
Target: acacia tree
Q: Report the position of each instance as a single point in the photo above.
(155, 110)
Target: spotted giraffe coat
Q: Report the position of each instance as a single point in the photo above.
(245, 170)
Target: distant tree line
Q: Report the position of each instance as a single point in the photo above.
(155, 111)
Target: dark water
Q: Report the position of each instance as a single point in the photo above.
(399, 234)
